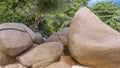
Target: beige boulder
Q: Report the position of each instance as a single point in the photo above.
(59, 65)
(60, 36)
(53, 38)
(15, 38)
(45, 62)
(63, 36)
(41, 55)
(92, 42)
(4, 59)
(64, 62)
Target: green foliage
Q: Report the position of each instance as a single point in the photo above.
(57, 20)
(53, 23)
(109, 12)
(49, 6)
(15, 11)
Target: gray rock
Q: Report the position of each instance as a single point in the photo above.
(38, 38)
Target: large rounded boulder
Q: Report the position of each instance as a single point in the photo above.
(92, 42)
(15, 38)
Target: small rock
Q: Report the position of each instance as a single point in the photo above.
(53, 38)
(38, 38)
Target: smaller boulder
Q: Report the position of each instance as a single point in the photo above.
(60, 36)
(43, 54)
(63, 36)
(38, 38)
(45, 63)
(53, 38)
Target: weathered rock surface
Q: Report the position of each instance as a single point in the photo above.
(41, 55)
(4, 59)
(59, 65)
(38, 38)
(92, 42)
(30, 32)
(60, 36)
(45, 62)
(63, 35)
(15, 38)
(11, 26)
(52, 38)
